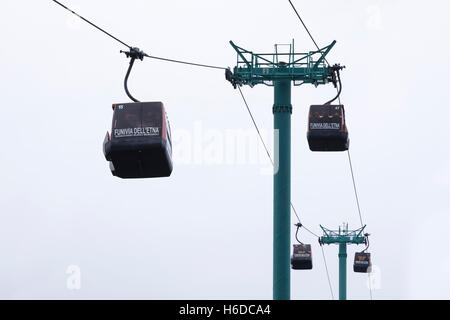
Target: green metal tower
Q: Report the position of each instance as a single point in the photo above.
(280, 70)
(342, 237)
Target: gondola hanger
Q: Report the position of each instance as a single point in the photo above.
(336, 79)
(133, 54)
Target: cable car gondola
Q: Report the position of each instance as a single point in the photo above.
(327, 130)
(139, 145)
(302, 256)
(362, 262)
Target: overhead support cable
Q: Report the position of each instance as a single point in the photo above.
(306, 28)
(354, 187)
(92, 24)
(188, 63)
(328, 274)
(130, 47)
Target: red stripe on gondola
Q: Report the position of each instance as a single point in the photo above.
(164, 129)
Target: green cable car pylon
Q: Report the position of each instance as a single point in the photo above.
(280, 70)
(342, 237)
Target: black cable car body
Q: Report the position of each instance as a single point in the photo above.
(301, 258)
(140, 144)
(362, 262)
(327, 130)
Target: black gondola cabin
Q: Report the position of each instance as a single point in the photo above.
(327, 130)
(302, 257)
(139, 145)
(362, 262)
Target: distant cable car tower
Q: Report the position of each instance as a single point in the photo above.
(342, 237)
(280, 70)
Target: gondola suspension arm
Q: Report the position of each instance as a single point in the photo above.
(134, 54)
(366, 236)
(336, 79)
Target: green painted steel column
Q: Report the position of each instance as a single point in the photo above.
(282, 110)
(342, 271)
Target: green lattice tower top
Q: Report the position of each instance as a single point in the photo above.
(263, 68)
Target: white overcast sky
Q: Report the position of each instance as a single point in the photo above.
(206, 232)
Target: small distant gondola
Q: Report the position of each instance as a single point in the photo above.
(302, 257)
(139, 145)
(327, 130)
(362, 262)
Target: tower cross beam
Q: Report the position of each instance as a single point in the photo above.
(266, 68)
